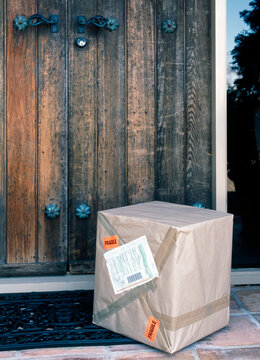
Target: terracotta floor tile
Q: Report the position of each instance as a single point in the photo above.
(231, 354)
(153, 354)
(235, 308)
(130, 347)
(241, 331)
(75, 351)
(8, 355)
(74, 357)
(250, 298)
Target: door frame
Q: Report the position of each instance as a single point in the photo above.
(219, 140)
(219, 106)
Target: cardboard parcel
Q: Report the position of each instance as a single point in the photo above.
(163, 273)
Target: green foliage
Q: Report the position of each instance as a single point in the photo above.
(246, 54)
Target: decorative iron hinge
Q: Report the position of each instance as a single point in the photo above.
(21, 22)
(110, 23)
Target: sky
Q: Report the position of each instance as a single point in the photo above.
(234, 26)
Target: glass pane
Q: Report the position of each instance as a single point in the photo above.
(243, 83)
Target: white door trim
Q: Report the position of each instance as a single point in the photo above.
(219, 101)
(219, 141)
(245, 276)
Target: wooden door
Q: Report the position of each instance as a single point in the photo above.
(34, 142)
(126, 119)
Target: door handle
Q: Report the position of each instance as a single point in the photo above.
(21, 22)
(110, 23)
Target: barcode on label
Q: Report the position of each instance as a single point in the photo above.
(134, 277)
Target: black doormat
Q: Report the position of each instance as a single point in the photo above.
(51, 319)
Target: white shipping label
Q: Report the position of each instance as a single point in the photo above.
(131, 265)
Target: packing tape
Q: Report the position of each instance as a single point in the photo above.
(161, 256)
(123, 301)
(109, 228)
(175, 323)
(166, 247)
(162, 338)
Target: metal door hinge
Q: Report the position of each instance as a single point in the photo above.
(110, 23)
(21, 22)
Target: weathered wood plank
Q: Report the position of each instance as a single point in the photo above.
(52, 133)
(198, 105)
(141, 100)
(21, 136)
(82, 138)
(171, 131)
(33, 269)
(2, 135)
(111, 176)
(79, 266)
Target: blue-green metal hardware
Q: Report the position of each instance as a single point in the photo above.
(83, 211)
(81, 42)
(199, 205)
(81, 21)
(110, 24)
(169, 26)
(21, 22)
(52, 211)
(38, 19)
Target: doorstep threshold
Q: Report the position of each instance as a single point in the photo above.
(70, 282)
(65, 282)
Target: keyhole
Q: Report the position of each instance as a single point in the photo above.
(81, 42)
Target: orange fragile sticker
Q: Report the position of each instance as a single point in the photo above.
(152, 328)
(111, 242)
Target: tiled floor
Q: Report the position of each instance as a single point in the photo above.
(239, 341)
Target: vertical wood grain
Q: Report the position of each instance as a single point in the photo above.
(111, 176)
(125, 120)
(21, 136)
(198, 104)
(2, 133)
(141, 100)
(171, 131)
(82, 139)
(52, 134)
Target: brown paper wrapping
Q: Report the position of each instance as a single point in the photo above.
(192, 251)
